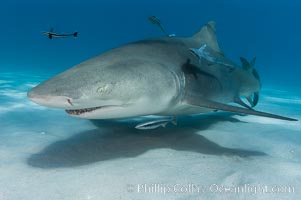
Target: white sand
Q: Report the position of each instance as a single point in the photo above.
(48, 155)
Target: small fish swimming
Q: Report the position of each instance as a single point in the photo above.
(51, 34)
(155, 20)
(202, 53)
(156, 124)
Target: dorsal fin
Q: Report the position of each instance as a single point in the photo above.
(245, 64)
(207, 36)
(253, 61)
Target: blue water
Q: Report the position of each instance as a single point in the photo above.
(46, 154)
(268, 30)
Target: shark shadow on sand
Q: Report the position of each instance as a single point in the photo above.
(117, 140)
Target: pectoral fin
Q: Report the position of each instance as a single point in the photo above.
(196, 101)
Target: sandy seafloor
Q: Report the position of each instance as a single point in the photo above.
(45, 154)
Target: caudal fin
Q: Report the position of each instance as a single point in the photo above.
(75, 34)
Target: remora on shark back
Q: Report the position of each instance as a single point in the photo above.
(154, 77)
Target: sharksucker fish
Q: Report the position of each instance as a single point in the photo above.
(153, 77)
(51, 34)
(156, 21)
(156, 123)
(204, 53)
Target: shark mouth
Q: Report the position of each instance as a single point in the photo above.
(86, 110)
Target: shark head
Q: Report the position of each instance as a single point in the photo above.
(112, 85)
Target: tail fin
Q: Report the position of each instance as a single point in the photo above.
(75, 34)
(249, 66)
(246, 65)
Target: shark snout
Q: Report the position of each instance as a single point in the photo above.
(50, 101)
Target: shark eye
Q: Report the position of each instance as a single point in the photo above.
(104, 89)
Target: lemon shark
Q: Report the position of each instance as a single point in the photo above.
(159, 76)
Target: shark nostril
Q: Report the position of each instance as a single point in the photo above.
(69, 101)
(51, 101)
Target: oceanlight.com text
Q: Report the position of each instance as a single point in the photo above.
(164, 189)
